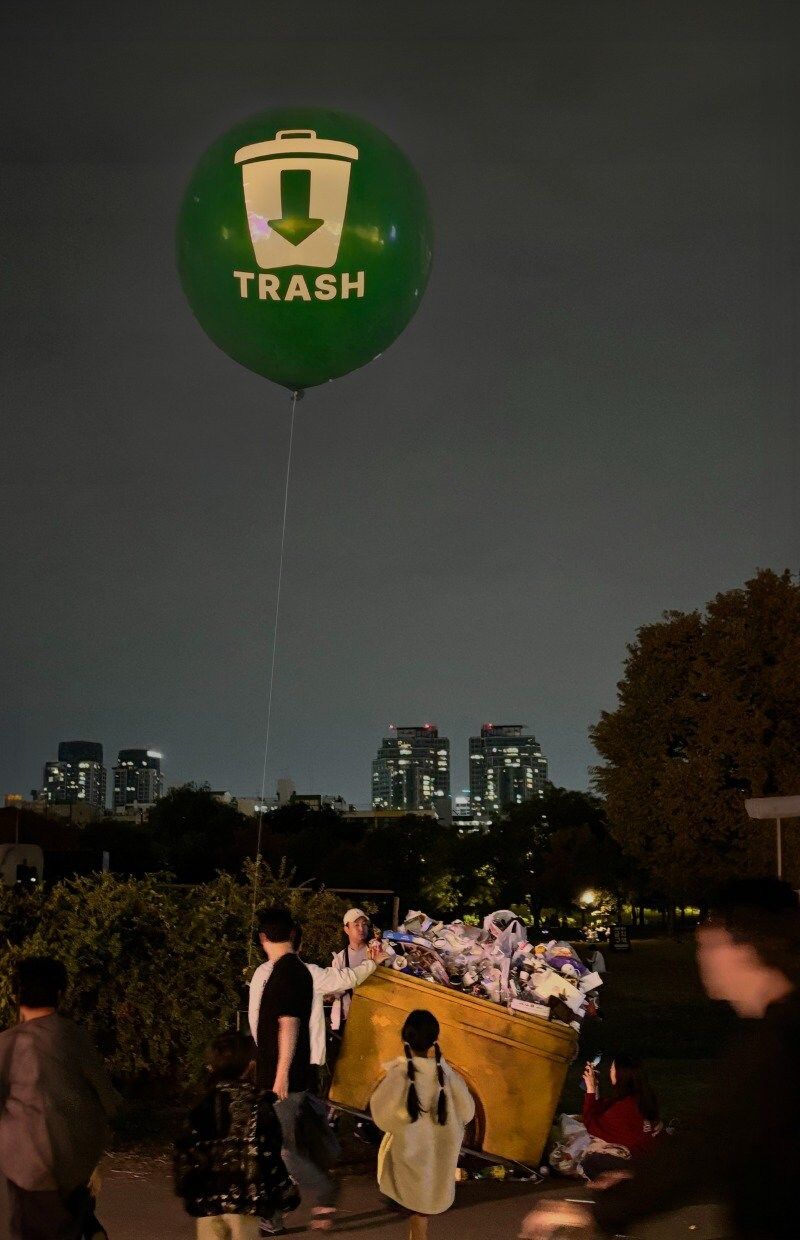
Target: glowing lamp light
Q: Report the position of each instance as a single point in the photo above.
(588, 897)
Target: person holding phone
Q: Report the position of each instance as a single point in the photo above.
(611, 1130)
(627, 1122)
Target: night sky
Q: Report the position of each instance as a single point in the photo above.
(591, 419)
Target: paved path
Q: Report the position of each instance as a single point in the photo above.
(137, 1203)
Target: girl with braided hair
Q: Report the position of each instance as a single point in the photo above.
(423, 1107)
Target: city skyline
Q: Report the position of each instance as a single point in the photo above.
(591, 419)
(457, 758)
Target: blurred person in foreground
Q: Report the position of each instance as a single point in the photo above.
(55, 1102)
(742, 1149)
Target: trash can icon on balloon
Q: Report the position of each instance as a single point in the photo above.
(296, 187)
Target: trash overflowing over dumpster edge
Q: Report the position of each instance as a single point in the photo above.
(497, 962)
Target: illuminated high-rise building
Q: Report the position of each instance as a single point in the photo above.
(78, 777)
(137, 778)
(506, 767)
(412, 769)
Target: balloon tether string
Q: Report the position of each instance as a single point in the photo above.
(296, 396)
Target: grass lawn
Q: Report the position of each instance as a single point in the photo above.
(654, 1007)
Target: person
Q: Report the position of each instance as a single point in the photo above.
(331, 981)
(610, 1131)
(743, 1147)
(596, 961)
(228, 1166)
(357, 949)
(423, 1106)
(56, 1099)
(283, 1065)
(623, 1126)
(354, 953)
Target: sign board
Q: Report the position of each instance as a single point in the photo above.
(620, 939)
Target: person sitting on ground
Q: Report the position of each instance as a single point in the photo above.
(228, 1165)
(627, 1122)
(55, 1102)
(423, 1107)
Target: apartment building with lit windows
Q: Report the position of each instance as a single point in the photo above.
(78, 777)
(506, 767)
(412, 769)
(138, 780)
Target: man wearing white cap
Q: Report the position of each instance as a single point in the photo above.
(335, 980)
(352, 955)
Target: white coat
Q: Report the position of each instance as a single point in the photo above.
(417, 1161)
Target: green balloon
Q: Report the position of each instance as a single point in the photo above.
(304, 244)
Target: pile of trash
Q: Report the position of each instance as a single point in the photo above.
(497, 962)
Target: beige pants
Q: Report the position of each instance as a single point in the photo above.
(228, 1227)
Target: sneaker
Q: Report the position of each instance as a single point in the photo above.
(272, 1226)
(366, 1131)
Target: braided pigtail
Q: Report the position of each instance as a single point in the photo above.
(412, 1100)
(441, 1106)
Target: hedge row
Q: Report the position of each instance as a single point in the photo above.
(155, 970)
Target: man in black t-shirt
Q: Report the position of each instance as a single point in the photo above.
(284, 1059)
(286, 999)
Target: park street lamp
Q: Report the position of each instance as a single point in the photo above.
(777, 808)
(586, 900)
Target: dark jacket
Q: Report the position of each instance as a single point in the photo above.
(55, 1101)
(228, 1157)
(742, 1150)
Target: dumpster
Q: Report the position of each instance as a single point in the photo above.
(514, 1063)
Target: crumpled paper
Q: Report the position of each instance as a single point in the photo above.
(497, 962)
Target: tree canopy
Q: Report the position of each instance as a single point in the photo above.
(708, 713)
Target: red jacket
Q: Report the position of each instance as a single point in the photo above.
(621, 1123)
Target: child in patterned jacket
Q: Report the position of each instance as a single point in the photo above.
(228, 1165)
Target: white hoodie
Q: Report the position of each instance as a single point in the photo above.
(417, 1161)
(331, 981)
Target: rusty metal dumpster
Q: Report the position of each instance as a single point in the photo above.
(514, 1064)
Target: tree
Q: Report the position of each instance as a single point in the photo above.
(548, 850)
(195, 835)
(567, 807)
(708, 713)
(132, 846)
